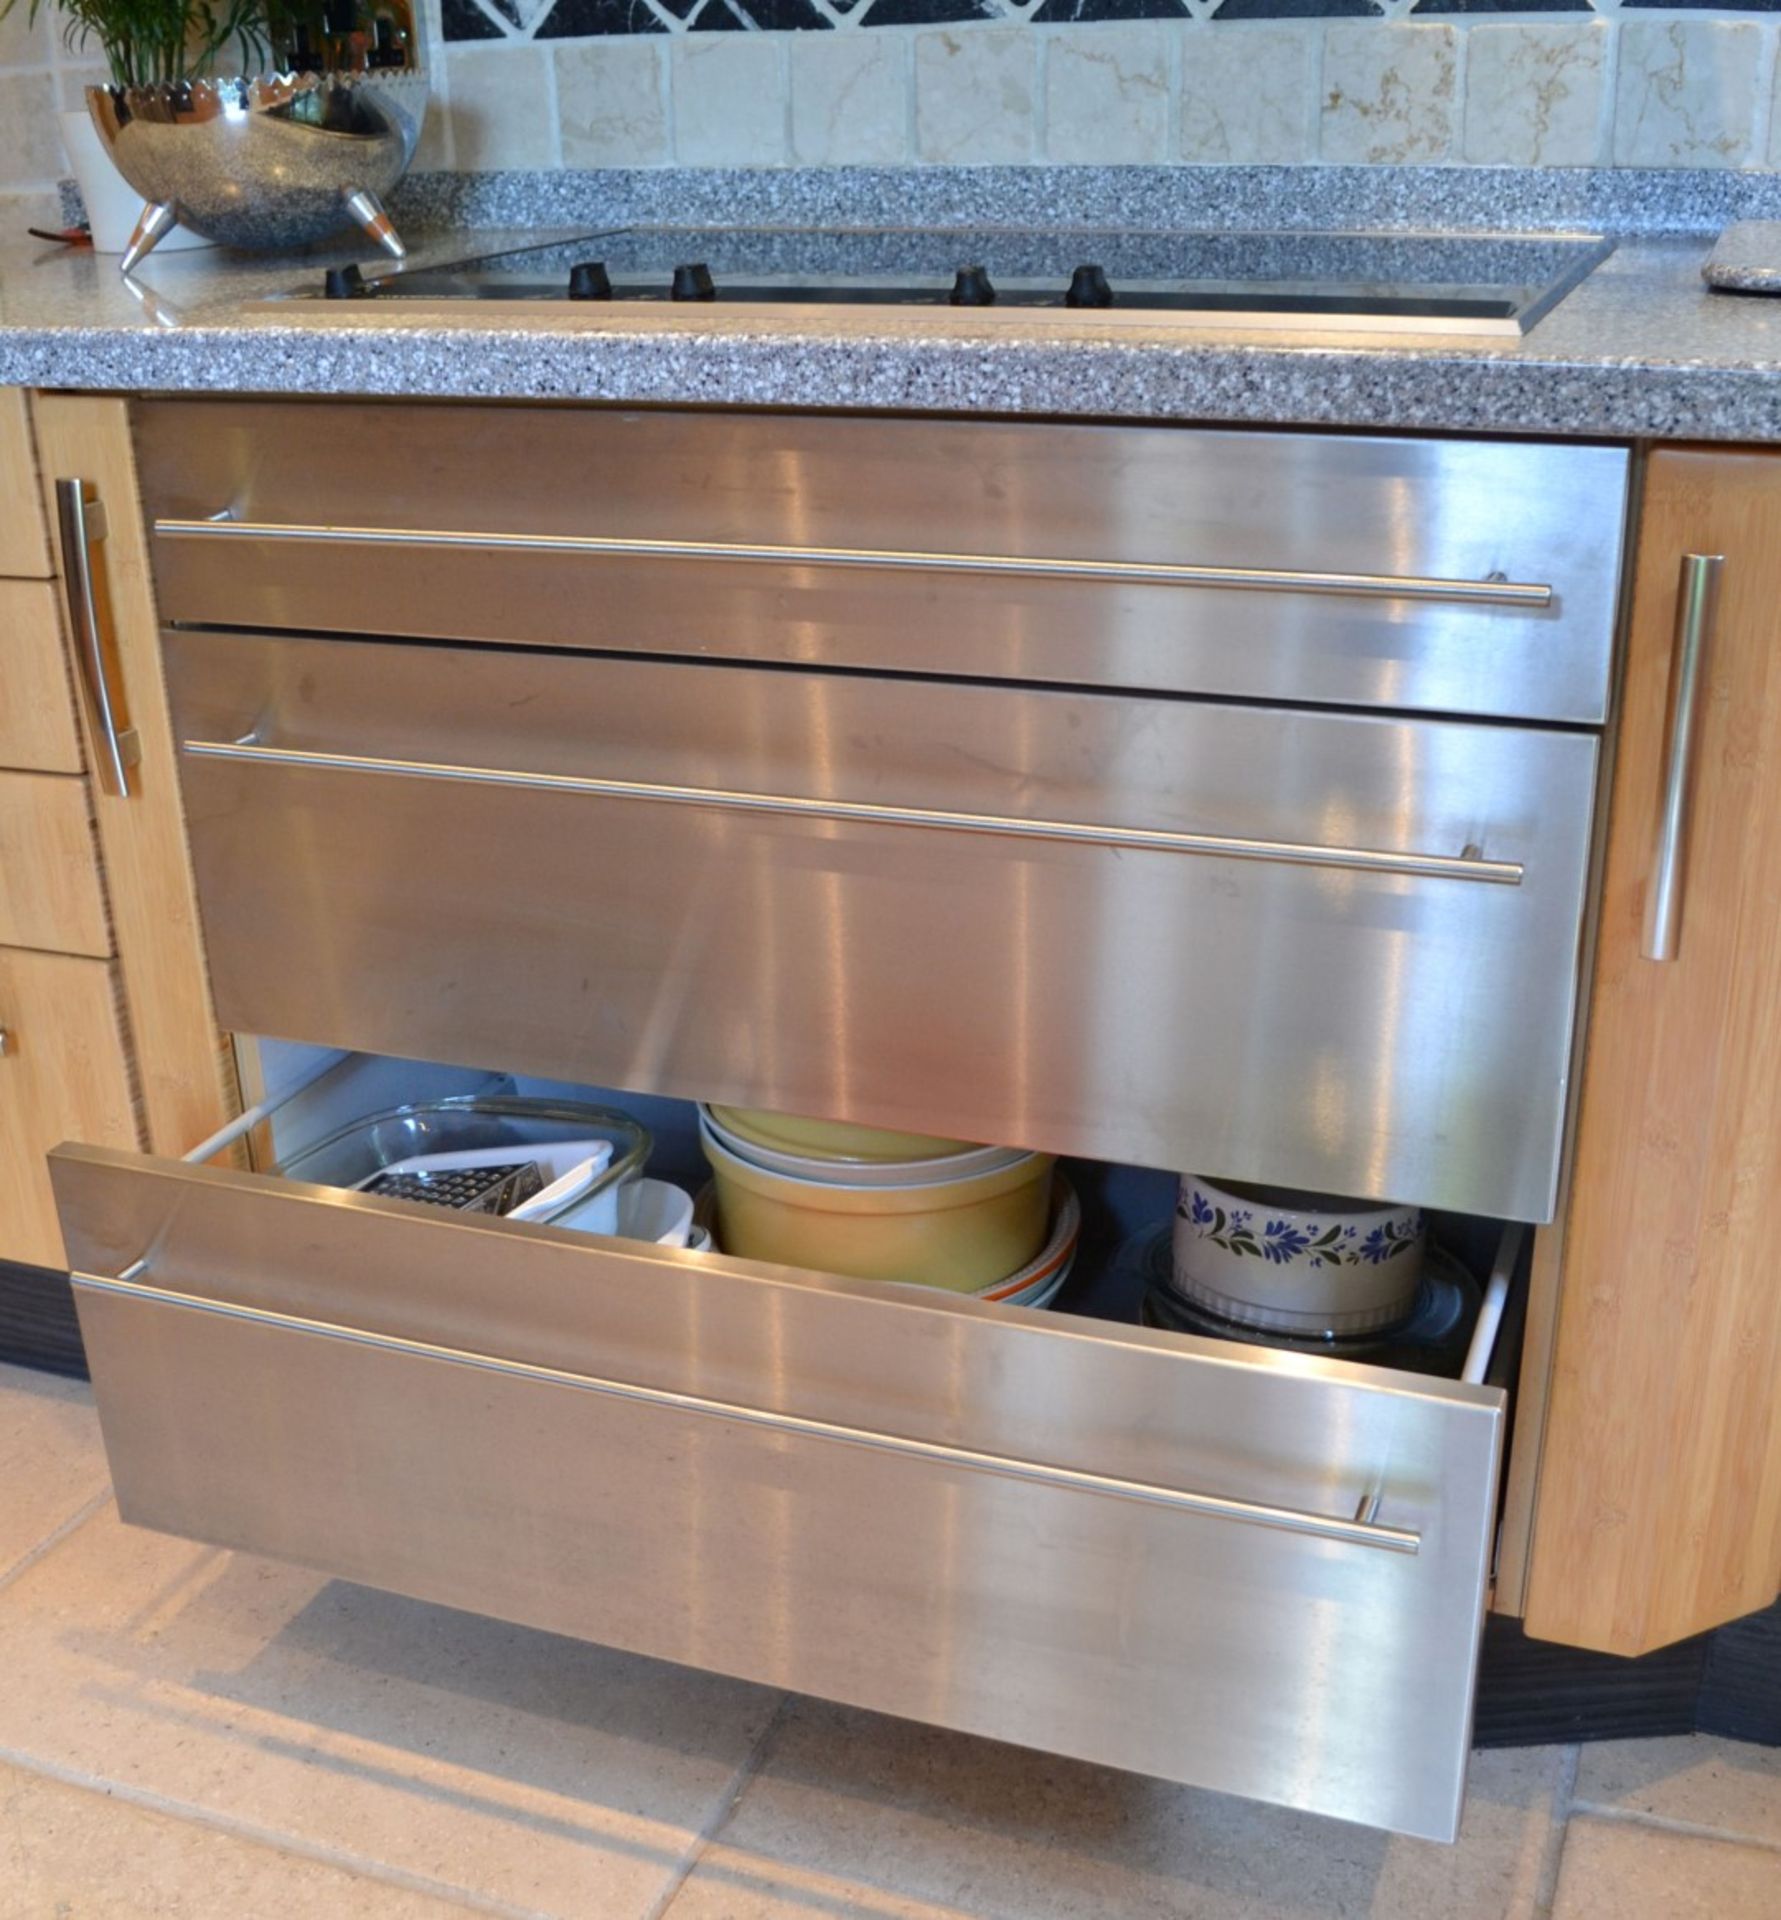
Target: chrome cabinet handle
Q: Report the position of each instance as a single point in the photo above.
(1431, 866)
(1384, 586)
(8, 1046)
(80, 514)
(1321, 1526)
(1697, 601)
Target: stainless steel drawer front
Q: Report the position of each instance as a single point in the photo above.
(1089, 1538)
(1321, 949)
(1446, 576)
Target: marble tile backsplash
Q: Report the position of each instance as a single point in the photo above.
(1645, 88)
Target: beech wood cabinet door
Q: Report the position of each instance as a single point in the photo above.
(63, 1075)
(1658, 1508)
(186, 1087)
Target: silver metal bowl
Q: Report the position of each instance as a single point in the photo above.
(272, 161)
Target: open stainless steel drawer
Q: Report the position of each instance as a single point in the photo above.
(1241, 1569)
(1327, 950)
(1435, 575)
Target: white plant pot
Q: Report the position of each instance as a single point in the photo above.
(113, 206)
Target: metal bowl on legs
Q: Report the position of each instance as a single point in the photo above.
(270, 162)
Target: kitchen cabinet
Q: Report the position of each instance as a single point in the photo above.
(103, 1001)
(24, 547)
(37, 723)
(1657, 1509)
(1323, 1530)
(64, 1074)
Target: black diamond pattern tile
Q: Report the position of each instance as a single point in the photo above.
(782, 16)
(1296, 9)
(1066, 12)
(929, 13)
(575, 19)
(1501, 6)
(582, 19)
(463, 21)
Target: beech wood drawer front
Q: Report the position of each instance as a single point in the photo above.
(64, 1074)
(1450, 576)
(1123, 1545)
(1326, 950)
(50, 892)
(37, 726)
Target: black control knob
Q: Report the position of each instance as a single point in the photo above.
(588, 280)
(343, 283)
(971, 288)
(1088, 288)
(694, 283)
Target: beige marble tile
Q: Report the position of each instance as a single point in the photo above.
(25, 42)
(503, 112)
(52, 1461)
(1687, 91)
(729, 99)
(72, 83)
(435, 149)
(1107, 94)
(974, 93)
(1249, 94)
(30, 141)
(612, 102)
(850, 98)
(74, 1853)
(1534, 93)
(1616, 1870)
(1695, 1779)
(856, 1817)
(516, 1767)
(1390, 93)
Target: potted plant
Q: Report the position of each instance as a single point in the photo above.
(251, 122)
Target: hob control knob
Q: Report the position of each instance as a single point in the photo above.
(1088, 288)
(343, 283)
(694, 283)
(588, 280)
(971, 288)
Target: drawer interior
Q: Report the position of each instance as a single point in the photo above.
(1250, 1569)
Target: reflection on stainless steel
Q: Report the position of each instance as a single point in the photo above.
(1086, 525)
(1433, 866)
(1175, 1011)
(272, 161)
(1504, 593)
(1697, 600)
(960, 1575)
(1319, 1526)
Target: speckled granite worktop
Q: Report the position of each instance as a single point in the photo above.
(1640, 349)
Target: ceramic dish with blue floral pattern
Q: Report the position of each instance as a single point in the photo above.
(1297, 1262)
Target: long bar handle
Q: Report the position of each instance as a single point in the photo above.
(1359, 1533)
(80, 515)
(1384, 586)
(1433, 866)
(1697, 602)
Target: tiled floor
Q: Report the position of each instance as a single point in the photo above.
(191, 1733)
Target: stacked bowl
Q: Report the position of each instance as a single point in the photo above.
(879, 1205)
